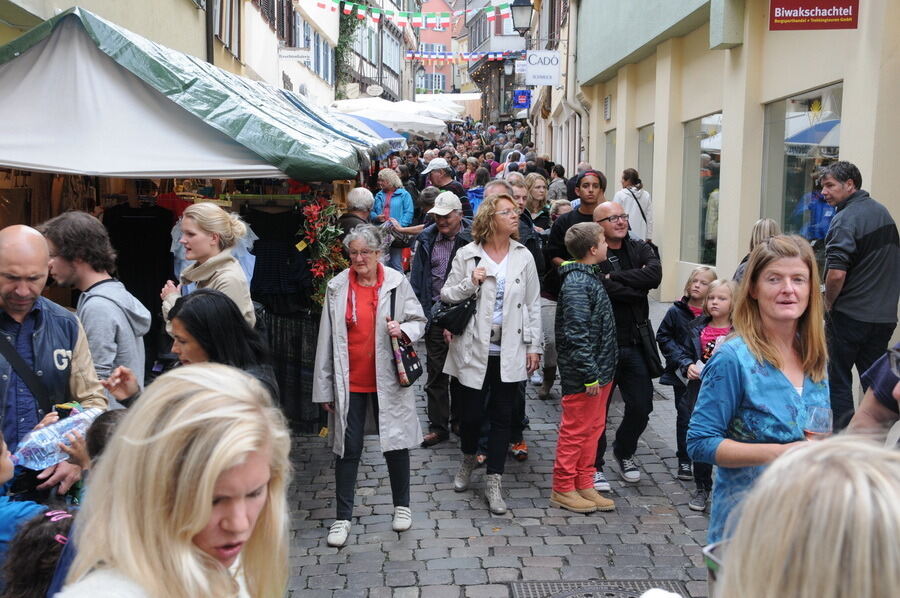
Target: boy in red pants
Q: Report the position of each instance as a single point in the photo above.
(587, 353)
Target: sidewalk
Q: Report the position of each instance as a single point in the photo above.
(457, 548)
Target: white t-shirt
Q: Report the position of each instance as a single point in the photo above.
(498, 272)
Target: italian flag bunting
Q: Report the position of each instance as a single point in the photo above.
(348, 8)
(321, 3)
(335, 4)
(376, 15)
(416, 19)
(505, 11)
(444, 20)
(491, 13)
(361, 12)
(402, 19)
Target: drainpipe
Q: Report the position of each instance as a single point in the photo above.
(571, 76)
(210, 32)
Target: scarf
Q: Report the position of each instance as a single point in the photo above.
(350, 313)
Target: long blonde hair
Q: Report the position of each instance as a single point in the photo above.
(483, 229)
(810, 331)
(532, 204)
(152, 491)
(821, 522)
(695, 272)
(214, 220)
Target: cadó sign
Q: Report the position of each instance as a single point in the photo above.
(542, 67)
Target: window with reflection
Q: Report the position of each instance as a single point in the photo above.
(645, 157)
(700, 189)
(610, 165)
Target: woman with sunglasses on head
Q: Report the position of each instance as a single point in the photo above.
(758, 389)
(501, 344)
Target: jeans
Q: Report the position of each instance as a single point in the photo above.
(441, 412)
(395, 259)
(682, 418)
(500, 399)
(346, 468)
(634, 382)
(851, 342)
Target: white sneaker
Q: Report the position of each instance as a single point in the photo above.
(338, 532)
(537, 378)
(600, 483)
(402, 519)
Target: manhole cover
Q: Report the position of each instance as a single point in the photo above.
(608, 588)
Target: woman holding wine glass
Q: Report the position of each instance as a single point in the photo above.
(758, 390)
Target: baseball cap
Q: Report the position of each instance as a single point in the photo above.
(594, 173)
(435, 164)
(445, 203)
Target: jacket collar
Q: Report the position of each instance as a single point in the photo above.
(857, 195)
(208, 268)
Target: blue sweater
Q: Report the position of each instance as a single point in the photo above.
(744, 400)
(12, 515)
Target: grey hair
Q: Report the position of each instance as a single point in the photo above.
(507, 187)
(368, 234)
(390, 176)
(360, 199)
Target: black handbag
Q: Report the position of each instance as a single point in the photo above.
(454, 318)
(406, 360)
(650, 349)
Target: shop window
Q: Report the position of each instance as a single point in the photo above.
(227, 24)
(610, 165)
(802, 134)
(700, 189)
(645, 156)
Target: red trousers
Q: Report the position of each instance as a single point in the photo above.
(583, 420)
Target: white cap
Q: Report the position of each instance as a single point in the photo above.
(435, 164)
(445, 203)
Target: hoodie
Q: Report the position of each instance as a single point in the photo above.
(115, 323)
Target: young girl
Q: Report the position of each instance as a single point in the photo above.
(702, 338)
(33, 554)
(672, 328)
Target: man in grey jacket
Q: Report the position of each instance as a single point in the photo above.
(114, 320)
(862, 260)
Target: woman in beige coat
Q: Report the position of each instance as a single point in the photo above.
(355, 371)
(501, 345)
(208, 234)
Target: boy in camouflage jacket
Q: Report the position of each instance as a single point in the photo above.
(587, 348)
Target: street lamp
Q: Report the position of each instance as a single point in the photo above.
(521, 16)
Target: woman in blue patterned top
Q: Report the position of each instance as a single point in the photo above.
(756, 389)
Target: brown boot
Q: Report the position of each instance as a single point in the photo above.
(543, 392)
(602, 503)
(572, 501)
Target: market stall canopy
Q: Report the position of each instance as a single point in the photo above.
(84, 96)
(402, 117)
(396, 141)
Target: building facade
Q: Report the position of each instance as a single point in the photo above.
(435, 76)
(495, 79)
(726, 118)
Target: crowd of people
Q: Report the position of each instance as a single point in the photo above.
(510, 274)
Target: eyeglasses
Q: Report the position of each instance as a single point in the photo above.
(362, 252)
(507, 213)
(614, 218)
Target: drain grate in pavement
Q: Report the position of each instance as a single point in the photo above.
(591, 589)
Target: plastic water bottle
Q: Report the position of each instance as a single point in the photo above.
(39, 449)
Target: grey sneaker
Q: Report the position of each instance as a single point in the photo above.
(629, 470)
(464, 474)
(494, 494)
(699, 499)
(685, 472)
(601, 484)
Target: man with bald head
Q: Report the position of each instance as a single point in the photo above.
(629, 272)
(51, 343)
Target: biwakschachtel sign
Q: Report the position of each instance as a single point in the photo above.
(813, 14)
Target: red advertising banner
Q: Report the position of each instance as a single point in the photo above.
(813, 14)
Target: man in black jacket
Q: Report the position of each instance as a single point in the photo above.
(630, 271)
(438, 245)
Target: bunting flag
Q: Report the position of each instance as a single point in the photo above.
(335, 4)
(321, 3)
(415, 19)
(361, 12)
(505, 11)
(348, 8)
(444, 20)
(457, 57)
(491, 13)
(402, 19)
(376, 15)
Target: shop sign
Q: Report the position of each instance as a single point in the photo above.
(521, 67)
(522, 98)
(542, 67)
(813, 14)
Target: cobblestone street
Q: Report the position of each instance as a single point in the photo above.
(457, 548)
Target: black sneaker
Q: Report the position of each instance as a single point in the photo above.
(699, 499)
(629, 470)
(684, 472)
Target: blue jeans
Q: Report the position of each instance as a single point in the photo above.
(395, 259)
(634, 382)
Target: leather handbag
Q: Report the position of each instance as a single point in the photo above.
(406, 360)
(649, 349)
(454, 318)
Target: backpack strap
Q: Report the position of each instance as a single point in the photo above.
(37, 388)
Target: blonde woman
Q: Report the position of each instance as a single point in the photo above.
(821, 522)
(764, 228)
(393, 203)
(208, 234)
(757, 388)
(536, 204)
(189, 499)
(501, 345)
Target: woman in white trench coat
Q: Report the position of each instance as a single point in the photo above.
(356, 380)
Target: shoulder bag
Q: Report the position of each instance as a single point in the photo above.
(644, 216)
(454, 318)
(406, 360)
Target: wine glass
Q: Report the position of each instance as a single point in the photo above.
(818, 423)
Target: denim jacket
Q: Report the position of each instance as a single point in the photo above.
(748, 401)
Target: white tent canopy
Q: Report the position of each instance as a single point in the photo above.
(403, 117)
(67, 108)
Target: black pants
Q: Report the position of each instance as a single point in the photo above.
(517, 423)
(346, 468)
(682, 418)
(441, 412)
(851, 342)
(500, 397)
(702, 471)
(634, 382)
